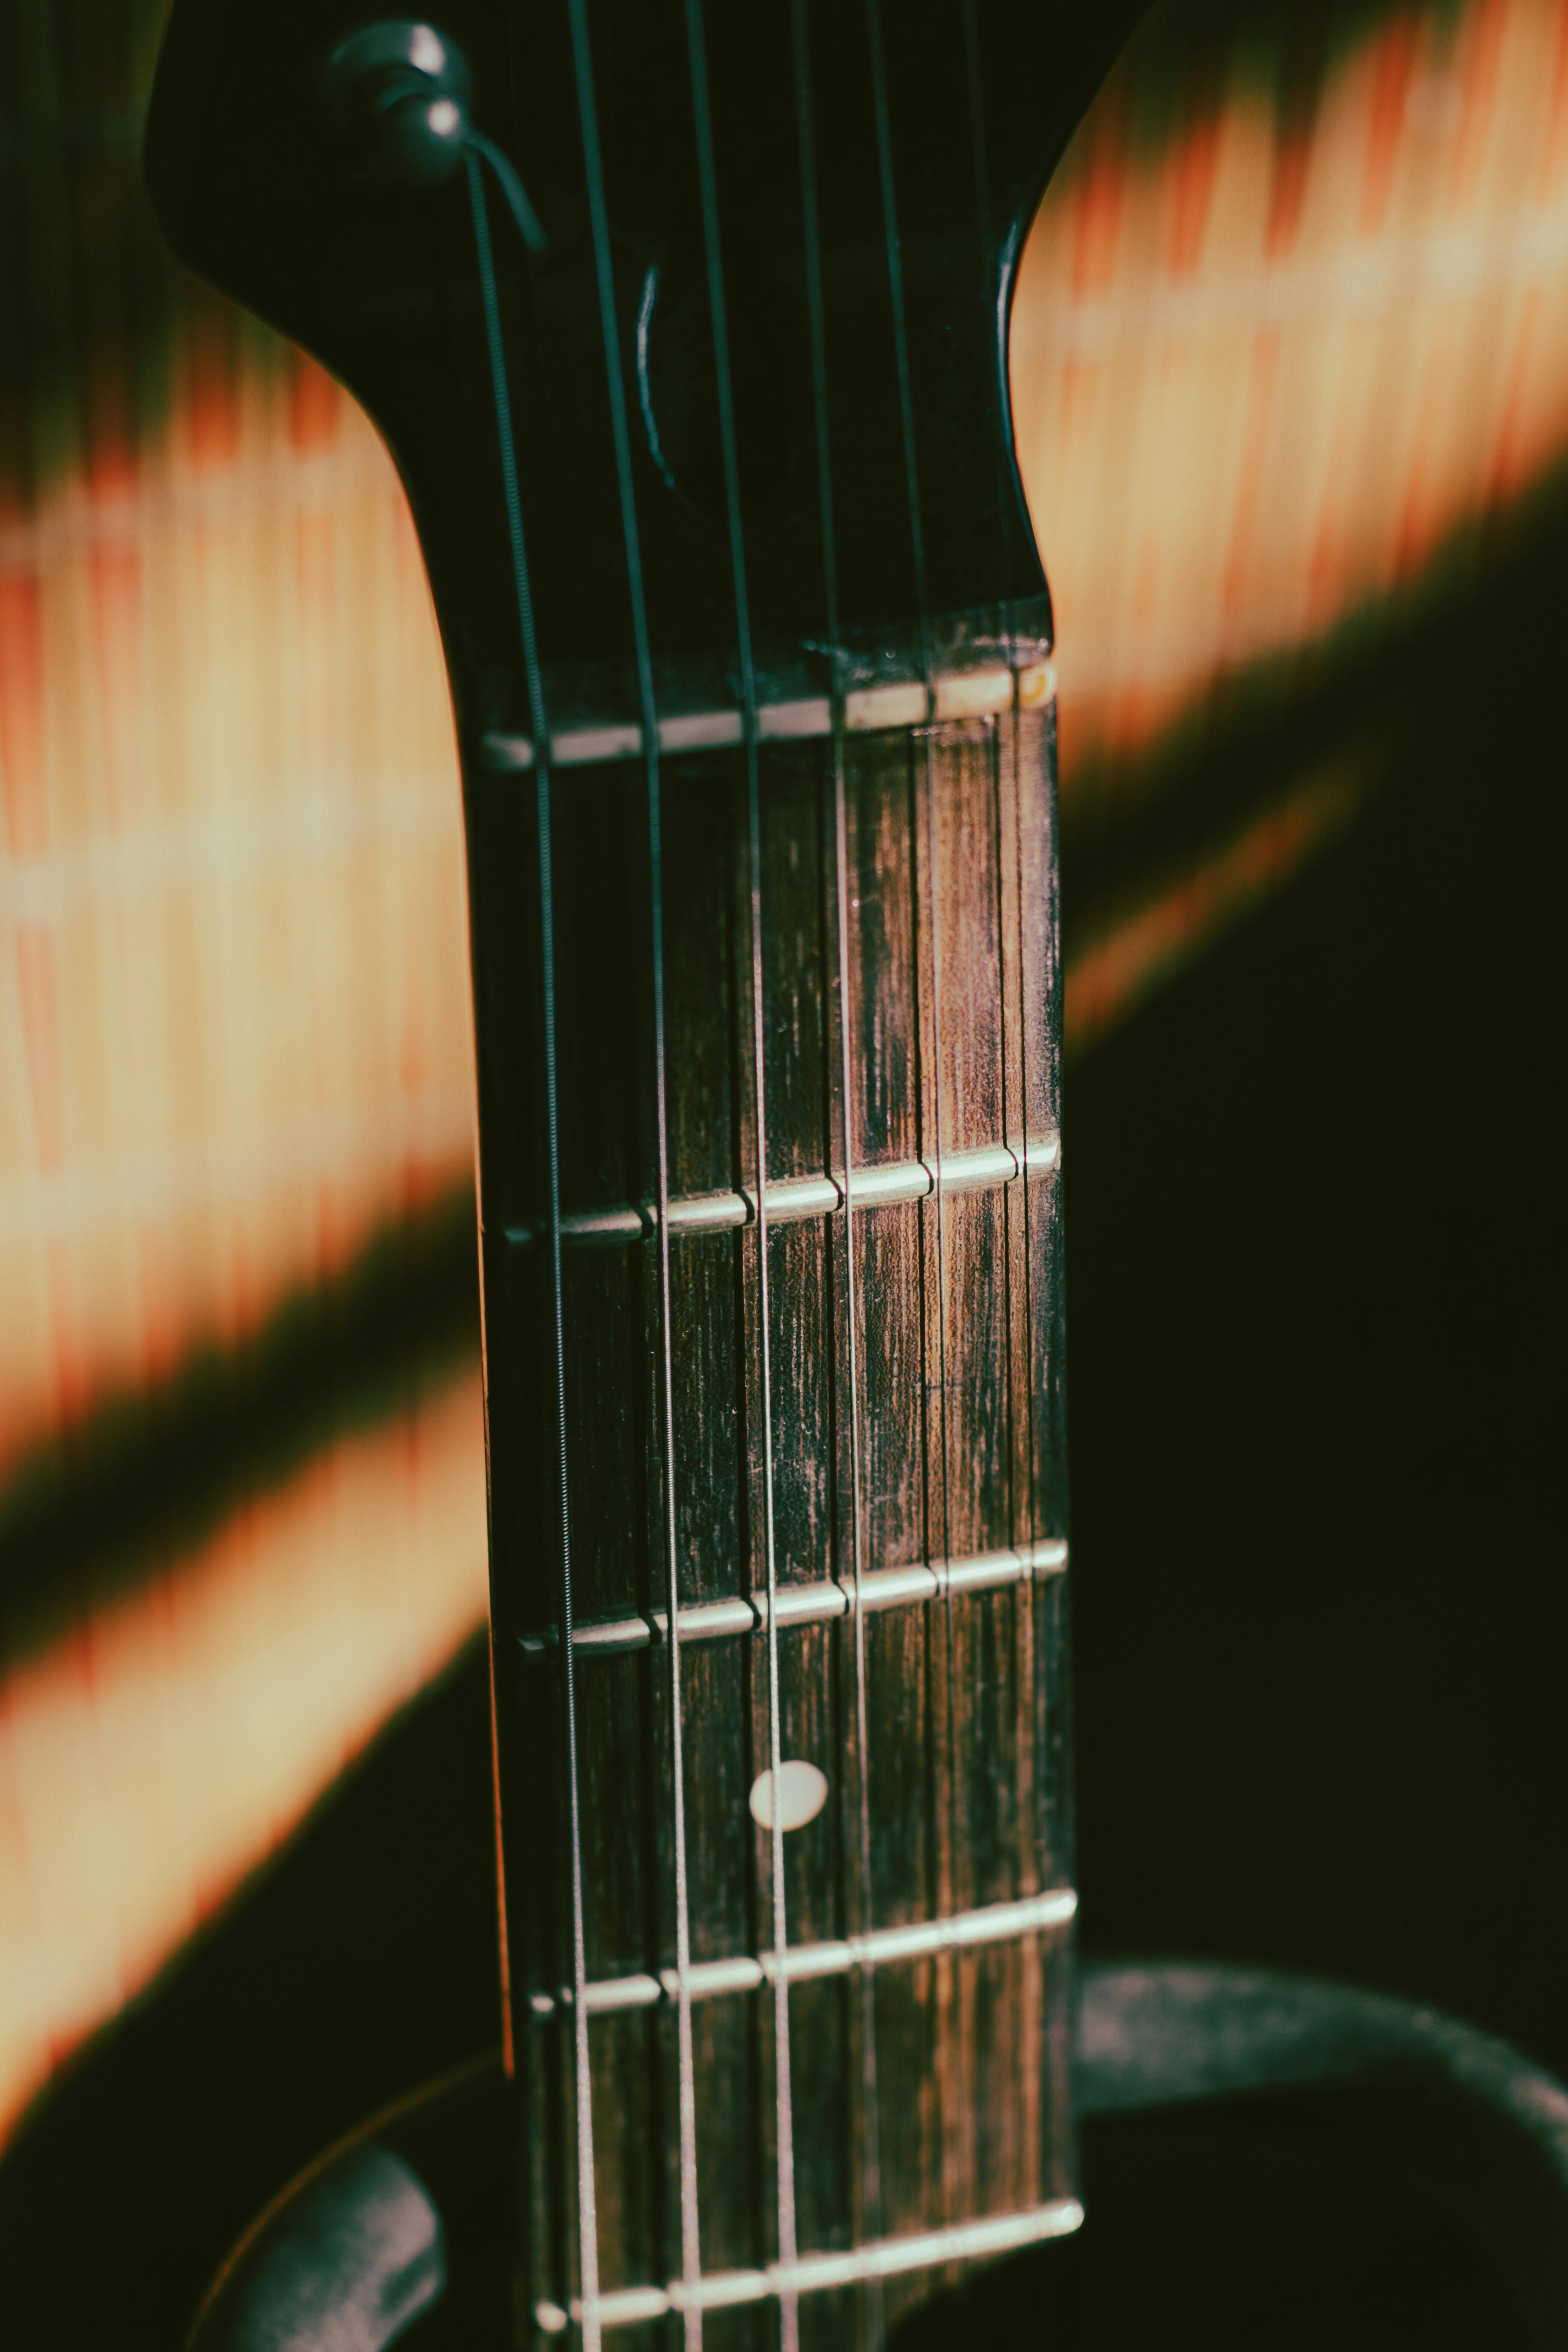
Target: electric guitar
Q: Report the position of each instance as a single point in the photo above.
(686, 326)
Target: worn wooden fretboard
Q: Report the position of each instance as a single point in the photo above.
(788, 2105)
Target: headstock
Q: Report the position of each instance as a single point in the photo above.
(292, 160)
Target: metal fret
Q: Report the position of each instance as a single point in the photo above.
(922, 1939)
(957, 695)
(793, 1199)
(814, 1603)
(998, 2234)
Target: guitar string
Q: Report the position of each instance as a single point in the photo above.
(650, 728)
(598, 211)
(871, 2181)
(981, 163)
(789, 2323)
(917, 544)
(543, 803)
(587, 2216)
(1022, 1604)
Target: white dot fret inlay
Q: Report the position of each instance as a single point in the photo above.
(803, 1792)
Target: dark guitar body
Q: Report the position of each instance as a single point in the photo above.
(1272, 2162)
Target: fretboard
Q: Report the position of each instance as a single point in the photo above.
(739, 2093)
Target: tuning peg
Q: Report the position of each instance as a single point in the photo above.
(399, 97)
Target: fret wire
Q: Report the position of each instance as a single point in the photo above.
(815, 1603)
(992, 1923)
(587, 107)
(966, 692)
(870, 2152)
(587, 2216)
(708, 191)
(791, 1198)
(884, 2258)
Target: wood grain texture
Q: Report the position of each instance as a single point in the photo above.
(941, 2096)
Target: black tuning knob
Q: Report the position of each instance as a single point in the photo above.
(399, 97)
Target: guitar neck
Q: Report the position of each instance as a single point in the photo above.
(688, 329)
(781, 1360)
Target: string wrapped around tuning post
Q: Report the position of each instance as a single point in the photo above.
(398, 96)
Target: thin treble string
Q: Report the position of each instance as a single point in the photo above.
(901, 322)
(917, 542)
(983, 205)
(708, 189)
(598, 213)
(587, 2216)
(980, 154)
(1024, 1599)
(805, 126)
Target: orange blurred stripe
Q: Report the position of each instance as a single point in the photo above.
(158, 1751)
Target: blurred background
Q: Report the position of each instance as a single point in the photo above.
(1291, 384)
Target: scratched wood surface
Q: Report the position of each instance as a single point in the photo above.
(943, 2097)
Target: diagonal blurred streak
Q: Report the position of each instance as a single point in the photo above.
(158, 1750)
(157, 1469)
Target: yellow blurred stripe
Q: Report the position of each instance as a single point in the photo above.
(1281, 347)
(157, 1752)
